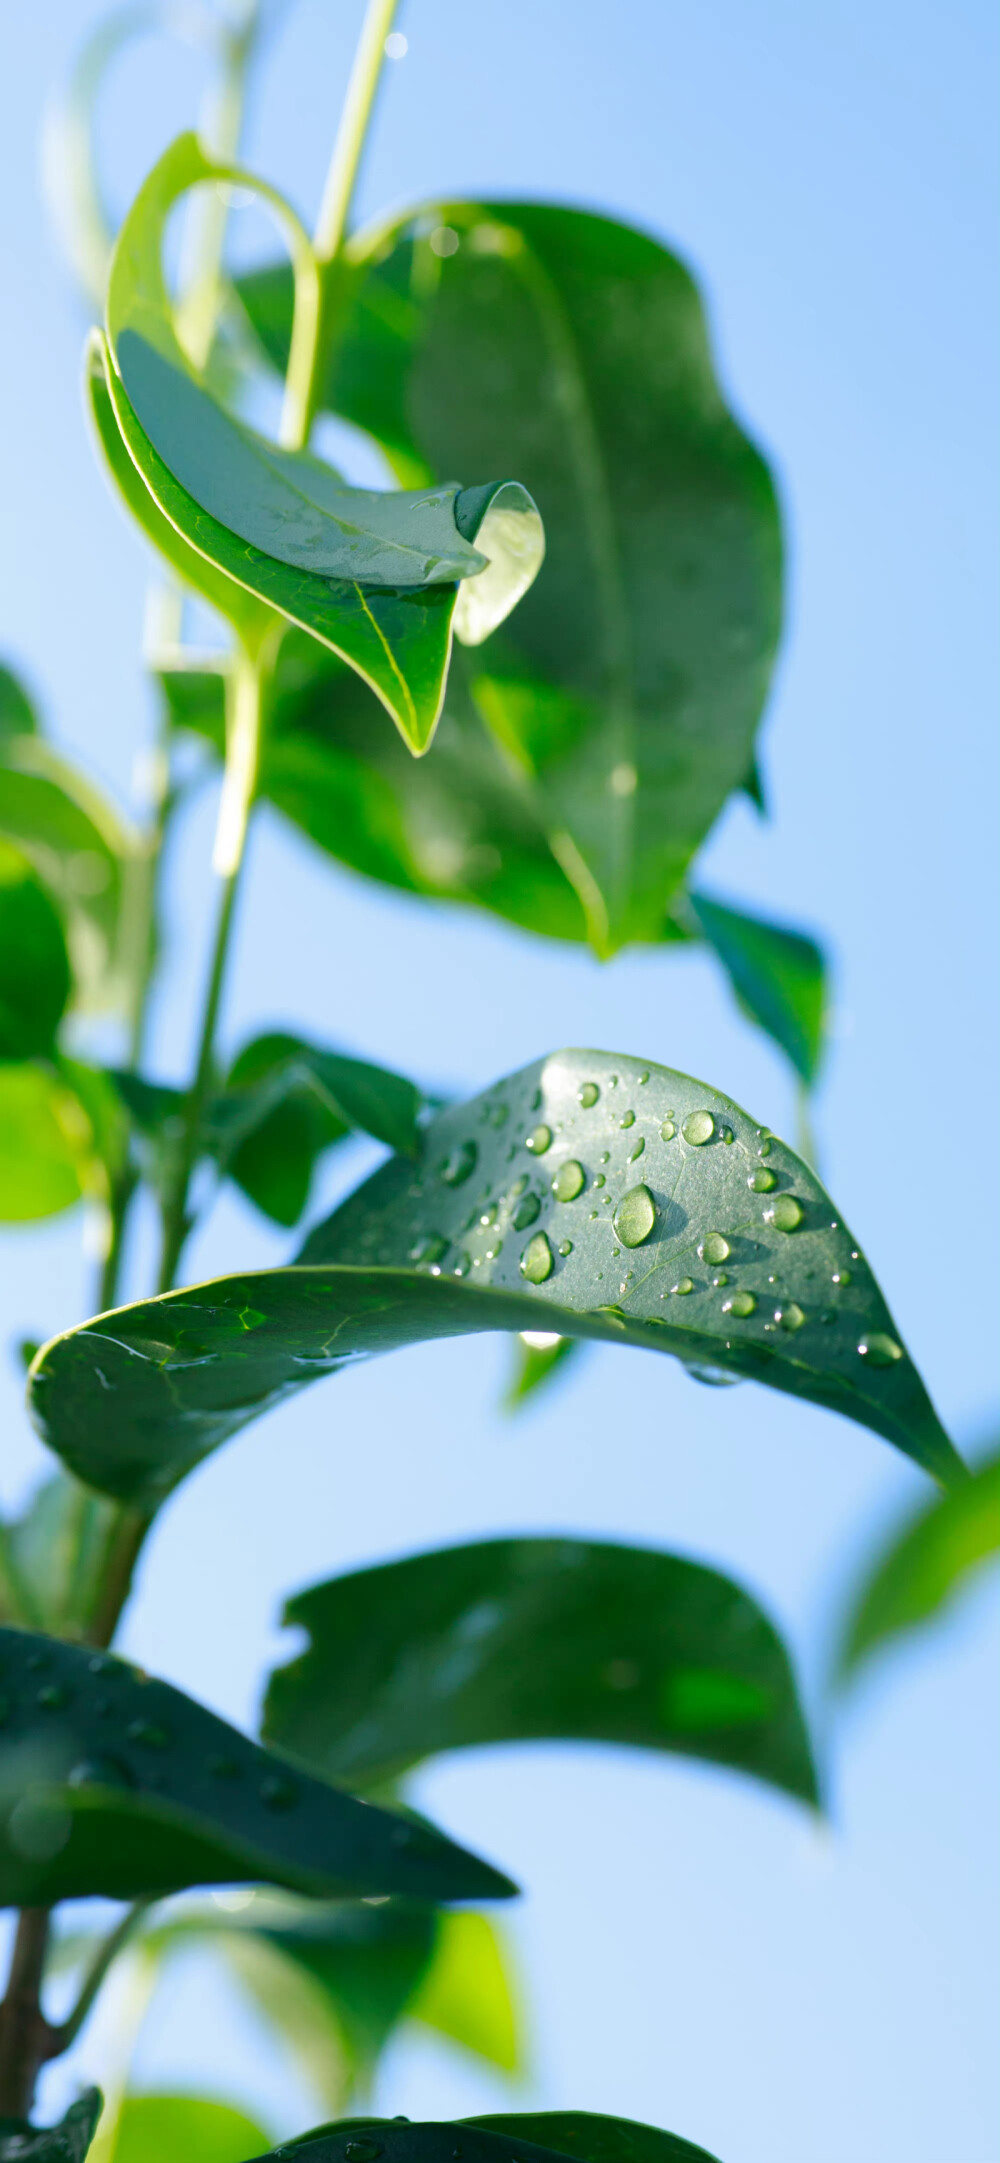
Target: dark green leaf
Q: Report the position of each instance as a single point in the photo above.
(925, 1567)
(351, 1092)
(778, 975)
(537, 1357)
(690, 1182)
(66, 2142)
(54, 1558)
(183, 2129)
(567, 1639)
(17, 714)
(34, 964)
(573, 351)
(502, 2138)
(45, 1144)
(114, 1784)
(85, 854)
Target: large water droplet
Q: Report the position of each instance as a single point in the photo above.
(714, 1248)
(841, 1276)
(667, 1131)
(459, 1164)
(463, 1264)
(636, 1151)
(635, 1216)
(98, 1771)
(537, 1261)
(627, 1119)
(565, 1246)
(429, 1248)
(761, 1182)
(785, 1213)
(569, 1181)
(698, 1128)
(683, 1286)
(790, 1315)
(742, 1304)
(539, 1140)
(599, 1179)
(588, 1095)
(880, 1350)
(362, 2151)
(527, 1210)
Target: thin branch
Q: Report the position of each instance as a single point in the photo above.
(105, 1955)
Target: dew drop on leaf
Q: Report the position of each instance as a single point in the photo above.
(785, 1213)
(627, 1119)
(636, 1151)
(537, 1261)
(761, 1181)
(790, 1315)
(635, 1216)
(429, 1249)
(683, 1286)
(841, 1276)
(569, 1181)
(698, 1128)
(565, 1246)
(539, 1140)
(742, 1304)
(880, 1350)
(527, 1210)
(588, 1095)
(460, 1164)
(714, 1248)
(667, 1131)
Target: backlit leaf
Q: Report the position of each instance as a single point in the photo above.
(925, 1568)
(168, 2128)
(45, 1143)
(34, 964)
(778, 975)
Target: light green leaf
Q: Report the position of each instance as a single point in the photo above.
(54, 1558)
(778, 975)
(702, 1235)
(34, 964)
(537, 1357)
(17, 714)
(513, 1640)
(85, 854)
(925, 1568)
(67, 2142)
(626, 691)
(502, 2138)
(467, 1993)
(45, 1144)
(114, 1784)
(184, 2129)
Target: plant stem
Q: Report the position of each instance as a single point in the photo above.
(26, 2037)
(107, 1952)
(301, 392)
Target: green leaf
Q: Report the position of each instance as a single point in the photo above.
(571, 1639)
(467, 1994)
(501, 2138)
(925, 1567)
(54, 1558)
(778, 975)
(66, 2142)
(17, 714)
(627, 689)
(167, 2128)
(114, 1784)
(538, 1356)
(275, 1071)
(466, 1246)
(45, 1144)
(34, 964)
(86, 855)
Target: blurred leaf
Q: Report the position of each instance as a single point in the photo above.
(778, 975)
(114, 1784)
(573, 351)
(54, 1558)
(66, 2142)
(466, 1993)
(513, 1640)
(501, 2138)
(45, 1144)
(34, 964)
(184, 2129)
(17, 714)
(86, 855)
(796, 1305)
(537, 1357)
(927, 1565)
(286, 1100)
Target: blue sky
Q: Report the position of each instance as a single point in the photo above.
(693, 1953)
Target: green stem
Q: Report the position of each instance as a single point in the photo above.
(107, 1952)
(302, 384)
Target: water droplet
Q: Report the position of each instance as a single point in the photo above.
(528, 1208)
(517, 1188)
(644, 1076)
(569, 1181)
(492, 1252)
(714, 1248)
(599, 1179)
(880, 1350)
(698, 1128)
(742, 1304)
(536, 1100)
(841, 1276)
(588, 1095)
(667, 1131)
(790, 1315)
(499, 1115)
(537, 1261)
(463, 1265)
(683, 1286)
(720, 1280)
(635, 1216)
(761, 1182)
(459, 1165)
(362, 2151)
(489, 1216)
(764, 1150)
(605, 1156)
(147, 1731)
(52, 1697)
(539, 1140)
(565, 1246)
(277, 1792)
(713, 1377)
(728, 1137)
(627, 1119)
(429, 1248)
(636, 1151)
(785, 1213)
(99, 1771)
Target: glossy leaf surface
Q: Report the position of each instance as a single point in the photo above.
(778, 975)
(926, 1567)
(183, 2129)
(501, 2138)
(34, 964)
(574, 351)
(66, 2142)
(537, 1359)
(111, 1783)
(614, 1200)
(530, 1639)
